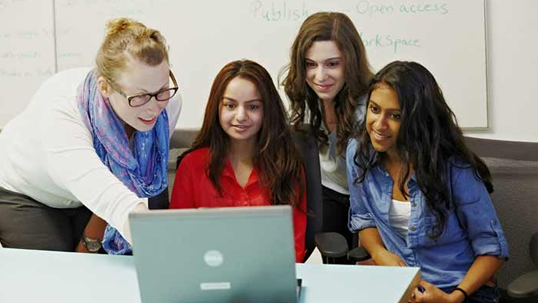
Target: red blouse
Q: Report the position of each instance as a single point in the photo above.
(193, 189)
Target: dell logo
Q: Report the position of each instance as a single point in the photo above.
(213, 258)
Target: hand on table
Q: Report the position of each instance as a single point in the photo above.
(386, 258)
(431, 294)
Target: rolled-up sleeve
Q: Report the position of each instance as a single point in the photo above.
(477, 214)
(359, 216)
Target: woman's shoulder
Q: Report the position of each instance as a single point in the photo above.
(457, 163)
(60, 85)
(69, 78)
(351, 153)
(461, 171)
(197, 158)
(174, 109)
(200, 152)
(352, 147)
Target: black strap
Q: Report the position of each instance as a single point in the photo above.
(463, 292)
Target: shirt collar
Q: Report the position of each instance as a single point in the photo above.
(228, 172)
(379, 168)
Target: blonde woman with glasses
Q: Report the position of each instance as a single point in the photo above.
(91, 147)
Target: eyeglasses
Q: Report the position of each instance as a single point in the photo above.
(139, 100)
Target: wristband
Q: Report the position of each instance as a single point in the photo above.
(465, 295)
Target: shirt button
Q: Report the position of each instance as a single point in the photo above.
(413, 204)
(412, 228)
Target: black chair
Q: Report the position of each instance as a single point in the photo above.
(307, 147)
(330, 245)
(333, 245)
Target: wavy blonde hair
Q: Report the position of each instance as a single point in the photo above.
(125, 39)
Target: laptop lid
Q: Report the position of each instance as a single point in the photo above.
(235, 254)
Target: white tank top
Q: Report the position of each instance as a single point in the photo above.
(399, 214)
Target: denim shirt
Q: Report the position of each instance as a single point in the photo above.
(472, 227)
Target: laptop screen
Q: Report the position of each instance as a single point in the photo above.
(237, 254)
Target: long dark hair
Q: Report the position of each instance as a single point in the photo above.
(337, 27)
(276, 159)
(429, 136)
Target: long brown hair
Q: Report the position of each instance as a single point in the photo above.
(337, 27)
(276, 160)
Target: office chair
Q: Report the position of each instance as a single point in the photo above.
(333, 245)
(307, 146)
(330, 245)
(525, 288)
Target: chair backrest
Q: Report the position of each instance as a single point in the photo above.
(514, 168)
(181, 141)
(307, 146)
(183, 138)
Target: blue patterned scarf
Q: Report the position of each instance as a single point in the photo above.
(143, 170)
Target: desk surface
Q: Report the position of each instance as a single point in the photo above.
(43, 276)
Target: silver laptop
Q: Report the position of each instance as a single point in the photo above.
(235, 254)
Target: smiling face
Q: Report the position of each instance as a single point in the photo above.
(138, 78)
(325, 69)
(241, 111)
(383, 119)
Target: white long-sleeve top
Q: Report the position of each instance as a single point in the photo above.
(332, 165)
(47, 153)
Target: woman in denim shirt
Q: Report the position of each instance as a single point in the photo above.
(419, 196)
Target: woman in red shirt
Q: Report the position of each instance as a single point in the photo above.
(244, 154)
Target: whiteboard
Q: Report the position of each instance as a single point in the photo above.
(26, 52)
(448, 37)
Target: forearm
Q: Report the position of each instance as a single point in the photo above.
(141, 207)
(94, 230)
(371, 241)
(481, 271)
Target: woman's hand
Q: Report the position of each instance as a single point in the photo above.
(431, 294)
(386, 258)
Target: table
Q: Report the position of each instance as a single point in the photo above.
(45, 276)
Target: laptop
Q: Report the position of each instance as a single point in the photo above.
(235, 254)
